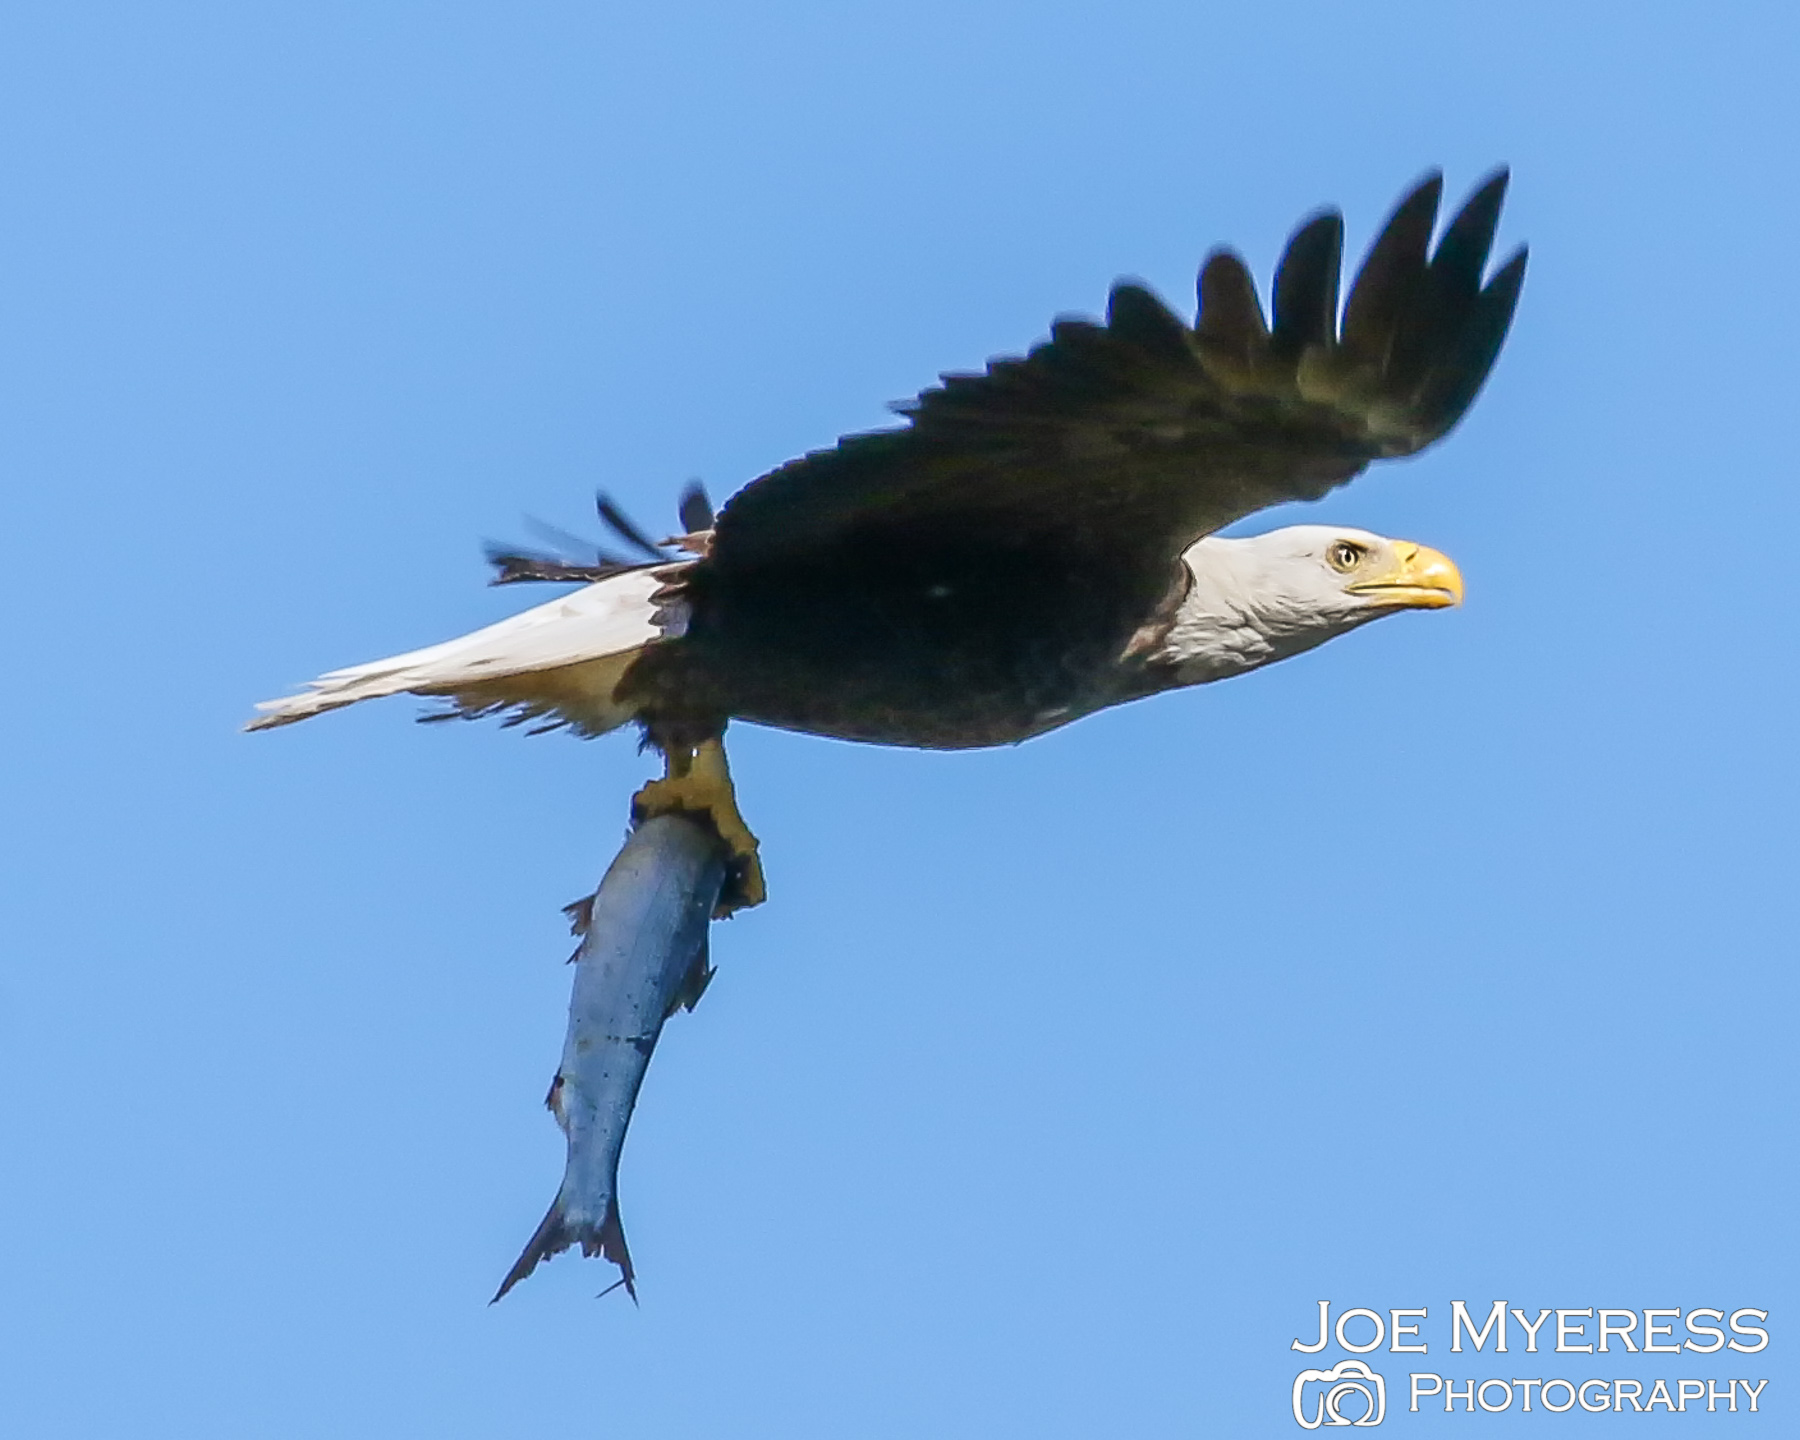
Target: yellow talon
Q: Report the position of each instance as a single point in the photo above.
(698, 782)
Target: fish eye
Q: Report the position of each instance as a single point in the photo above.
(1345, 556)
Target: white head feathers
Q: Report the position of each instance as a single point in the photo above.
(1261, 599)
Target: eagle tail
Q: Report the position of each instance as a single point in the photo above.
(561, 659)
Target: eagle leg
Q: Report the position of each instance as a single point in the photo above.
(698, 782)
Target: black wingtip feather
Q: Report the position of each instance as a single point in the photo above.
(1442, 297)
(1385, 283)
(695, 509)
(1463, 252)
(1231, 316)
(1140, 318)
(1453, 386)
(621, 525)
(1306, 285)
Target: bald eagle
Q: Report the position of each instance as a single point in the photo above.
(1035, 543)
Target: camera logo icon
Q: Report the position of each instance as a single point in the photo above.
(1327, 1391)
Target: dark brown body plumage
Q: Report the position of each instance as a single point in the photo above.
(938, 640)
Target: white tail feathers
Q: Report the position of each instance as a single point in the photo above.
(563, 660)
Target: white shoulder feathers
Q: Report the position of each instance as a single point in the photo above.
(562, 660)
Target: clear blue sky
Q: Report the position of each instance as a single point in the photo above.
(1055, 1086)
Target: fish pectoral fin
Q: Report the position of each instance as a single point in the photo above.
(693, 984)
(580, 913)
(699, 784)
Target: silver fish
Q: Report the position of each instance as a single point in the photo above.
(642, 956)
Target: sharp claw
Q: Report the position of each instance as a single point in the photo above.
(700, 784)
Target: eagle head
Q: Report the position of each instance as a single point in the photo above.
(1256, 600)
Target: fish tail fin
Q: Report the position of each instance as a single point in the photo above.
(556, 1233)
(612, 1247)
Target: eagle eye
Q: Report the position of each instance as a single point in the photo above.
(1345, 556)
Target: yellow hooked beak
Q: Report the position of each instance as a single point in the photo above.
(1419, 578)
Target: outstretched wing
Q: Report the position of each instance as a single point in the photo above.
(1142, 434)
(574, 559)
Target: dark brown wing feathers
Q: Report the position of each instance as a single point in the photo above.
(1142, 434)
(625, 527)
(1306, 286)
(695, 509)
(1389, 278)
(576, 561)
(1230, 323)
